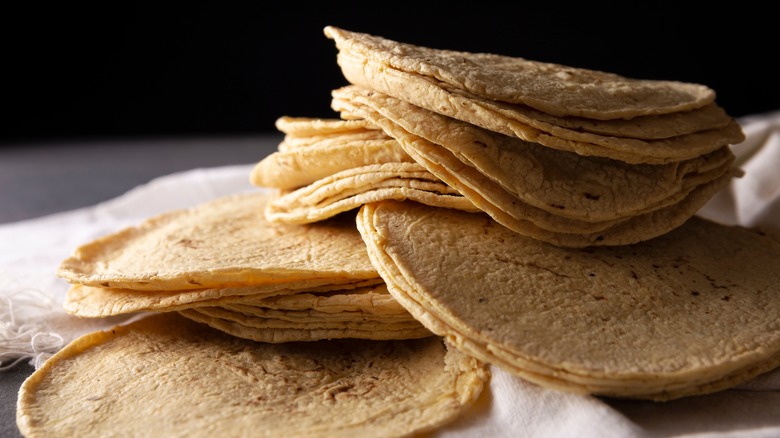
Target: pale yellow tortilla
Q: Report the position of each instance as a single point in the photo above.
(349, 189)
(98, 302)
(505, 209)
(695, 132)
(166, 376)
(564, 184)
(653, 320)
(370, 299)
(271, 313)
(304, 127)
(272, 333)
(318, 156)
(312, 316)
(260, 318)
(304, 132)
(553, 196)
(554, 89)
(223, 243)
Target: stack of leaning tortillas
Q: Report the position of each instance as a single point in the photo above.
(465, 209)
(263, 329)
(327, 167)
(568, 156)
(223, 264)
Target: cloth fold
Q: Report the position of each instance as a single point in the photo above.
(34, 326)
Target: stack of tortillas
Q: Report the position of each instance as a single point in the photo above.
(223, 264)
(465, 209)
(327, 167)
(691, 312)
(569, 156)
(221, 278)
(562, 160)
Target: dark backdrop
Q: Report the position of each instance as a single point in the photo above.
(76, 72)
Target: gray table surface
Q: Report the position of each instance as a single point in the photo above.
(41, 179)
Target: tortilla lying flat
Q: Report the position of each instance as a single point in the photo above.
(167, 376)
(691, 312)
(288, 280)
(224, 243)
(286, 327)
(588, 112)
(274, 313)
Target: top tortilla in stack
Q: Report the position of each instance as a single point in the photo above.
(482, 122)
(589, 112)
(324, 167)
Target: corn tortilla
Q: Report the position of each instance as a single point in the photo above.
(654, 320)
(166, 376)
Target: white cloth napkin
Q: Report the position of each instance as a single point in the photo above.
(32, 322)
(33, 325)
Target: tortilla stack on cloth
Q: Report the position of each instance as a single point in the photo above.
(289, 282)
(555, 196)
(588, 112)
(167, 376)
(339, 165)
(691, 312)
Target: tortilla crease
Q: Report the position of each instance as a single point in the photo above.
(551, 88)
(167, 376)
(694, 133)
(654, 320)
(296, 167)
(351, 188)
(224, 243)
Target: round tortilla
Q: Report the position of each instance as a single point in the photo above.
(220, 244)
(374, 300)
(552, 88)
(349, 189)
(98, 302)
(661, 139)
(307, 127)
(655, 320)
(318, 156)
(277, 331)
(565, 184)
(554, 196)
(167, 376)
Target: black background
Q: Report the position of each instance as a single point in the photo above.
(99, 72)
